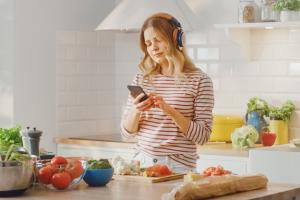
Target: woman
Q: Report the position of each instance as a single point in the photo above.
(178, 113)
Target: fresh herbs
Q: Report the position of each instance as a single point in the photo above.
(10, 136)
(99, 164)
(284, 5)
(258, 105)
(282, 113)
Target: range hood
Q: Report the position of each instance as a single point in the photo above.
(129, 15)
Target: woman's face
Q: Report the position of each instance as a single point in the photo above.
(157, 47)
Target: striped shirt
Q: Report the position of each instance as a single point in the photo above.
(158, 135)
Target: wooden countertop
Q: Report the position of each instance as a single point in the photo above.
(115, 140)
(124, 190)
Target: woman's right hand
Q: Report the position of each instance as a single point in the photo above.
(144, 105)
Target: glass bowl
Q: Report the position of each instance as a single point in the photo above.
(62, 176)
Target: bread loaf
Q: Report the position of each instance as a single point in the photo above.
(219, 185)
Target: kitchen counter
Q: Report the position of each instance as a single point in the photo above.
(115, 140)
(124, 190)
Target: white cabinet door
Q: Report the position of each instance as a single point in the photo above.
(94, 152)
(236, 164)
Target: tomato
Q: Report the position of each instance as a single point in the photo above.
(61, 180)
(165, 171)
(45, 174)
(268, 138)
(74, 168)
(158, 170)
(59, 160)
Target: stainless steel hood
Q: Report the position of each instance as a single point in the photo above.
(129, 15)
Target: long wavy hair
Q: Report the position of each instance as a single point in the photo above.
(181, 62)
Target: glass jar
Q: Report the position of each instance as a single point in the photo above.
(248, 11)
(267, 12)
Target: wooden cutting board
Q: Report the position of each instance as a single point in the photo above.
(147, 179)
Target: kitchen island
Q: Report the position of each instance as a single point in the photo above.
(124, 190)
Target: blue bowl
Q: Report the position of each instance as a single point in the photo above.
(98, 177)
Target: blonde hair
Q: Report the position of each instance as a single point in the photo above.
(181, 62)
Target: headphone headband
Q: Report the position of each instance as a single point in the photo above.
(178, 32)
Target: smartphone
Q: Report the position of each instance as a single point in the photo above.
(135, 90)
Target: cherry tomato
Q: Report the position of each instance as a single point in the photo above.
(75, 169)
(59, 160)
(45, 174)
(61, 180)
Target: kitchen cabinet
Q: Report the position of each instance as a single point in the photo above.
(241, 33)
(235, 164)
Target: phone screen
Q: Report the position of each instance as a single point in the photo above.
(135, 90)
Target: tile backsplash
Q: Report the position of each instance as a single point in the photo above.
(93, 69)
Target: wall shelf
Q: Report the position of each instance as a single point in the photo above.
(241, 33)
(261, 25)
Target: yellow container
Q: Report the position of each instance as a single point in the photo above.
(280, 127)
(223, 126)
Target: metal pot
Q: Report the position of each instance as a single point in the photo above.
(16, 177)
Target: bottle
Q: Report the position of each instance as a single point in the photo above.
(248, 11)
(267, 12)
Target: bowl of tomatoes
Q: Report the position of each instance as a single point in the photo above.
(60, 173)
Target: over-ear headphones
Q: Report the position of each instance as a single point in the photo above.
(178, 32)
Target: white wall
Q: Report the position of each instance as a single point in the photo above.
(6, 62)
(36, 24)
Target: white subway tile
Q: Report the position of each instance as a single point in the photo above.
(270, 52)
(294, 133)
(101, 112)
(277, 99)
(247, 84)
(293, 51)
(87, 38)
(107, 126)
(87, 68)
(65, 38)
(87, 98)
(223, 100)
(76, 53)
(216, 84)
(77, 113)
(106, 38)
(106, 97)
(61, 113)
(77, 83)
(294, 36)
(294, 68)
(190, 52)
(202, 66)
(295, 119)
(100, 54)
(77, 128)
(208, 53)
(246, 69)
(287, 85)
(66, 68)
(273, 68)
(66, 99)
(194, 38)
(61, 83)
(101, 82)
(218, 37)
(231, 53)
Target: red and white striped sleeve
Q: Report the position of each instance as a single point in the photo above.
(200, 127)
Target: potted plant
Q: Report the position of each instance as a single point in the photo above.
(257, 109)
(279, 118)
(289, 10)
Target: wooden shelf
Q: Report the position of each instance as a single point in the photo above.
(261, 25)
(241, 33)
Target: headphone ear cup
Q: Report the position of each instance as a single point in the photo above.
(179, 38)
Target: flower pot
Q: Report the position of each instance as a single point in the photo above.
(256, 120)
(288, 16)
(279, 127)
